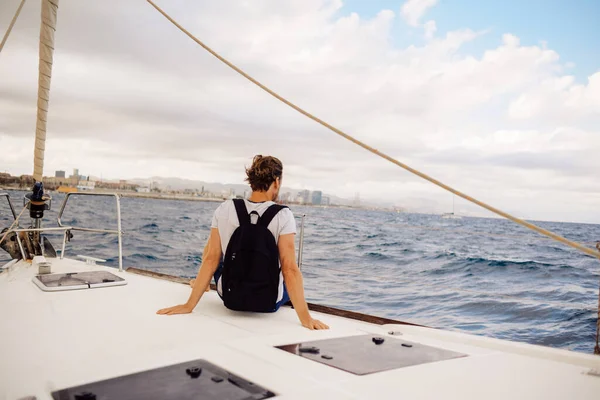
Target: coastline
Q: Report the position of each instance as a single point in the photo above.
(185, 197)
(157, 196)
(162, 196)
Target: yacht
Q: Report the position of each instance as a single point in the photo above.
(75, 329)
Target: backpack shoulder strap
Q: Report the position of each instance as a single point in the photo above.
(242, 211)
(269, 214)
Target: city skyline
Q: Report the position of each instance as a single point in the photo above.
(83, 182)
(408, 204)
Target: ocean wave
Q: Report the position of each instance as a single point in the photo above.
(148, 257)
(528, 264)
(390, 244)
(152, 226)
(376, 255)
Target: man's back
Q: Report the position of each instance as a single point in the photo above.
(226, 220)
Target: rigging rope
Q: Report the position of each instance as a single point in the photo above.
(365, 146)
(10, 26)
(15, 222)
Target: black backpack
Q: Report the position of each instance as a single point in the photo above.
(250, 280)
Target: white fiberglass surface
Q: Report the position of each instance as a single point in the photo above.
(55, 340)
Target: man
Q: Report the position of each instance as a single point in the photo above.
(231, 224)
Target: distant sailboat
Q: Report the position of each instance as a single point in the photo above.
(451, 215)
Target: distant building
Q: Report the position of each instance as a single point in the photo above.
(316, 197)
(8, 179)
(325, 201)
(75, 172)
(26, 180)
(109, 185)
(142, 190)
(285, 198)
(60, 174)
(52, 182)
(305, 196)
(86, 185)
(122, 185)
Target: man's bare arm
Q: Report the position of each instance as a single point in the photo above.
(210, 262)
(292, 277)
(193, 281)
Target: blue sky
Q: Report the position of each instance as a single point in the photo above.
(571, 28)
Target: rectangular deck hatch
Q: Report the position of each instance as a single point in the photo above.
(77, 280)
(367, 354)
(197, 380)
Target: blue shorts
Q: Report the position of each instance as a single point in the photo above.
(284, 299)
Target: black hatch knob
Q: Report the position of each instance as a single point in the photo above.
(311, 350)
(85, 396)
(378, 340)
(194, 372)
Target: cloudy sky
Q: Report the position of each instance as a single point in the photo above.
(499, 99)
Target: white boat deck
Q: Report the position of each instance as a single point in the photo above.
(54, 340)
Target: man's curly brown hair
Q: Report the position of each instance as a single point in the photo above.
(263, 172)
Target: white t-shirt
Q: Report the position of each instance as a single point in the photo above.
(225, 219)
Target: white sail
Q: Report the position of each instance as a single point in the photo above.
(47, 29)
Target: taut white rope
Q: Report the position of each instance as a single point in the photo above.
(365, 146)
(10, 26)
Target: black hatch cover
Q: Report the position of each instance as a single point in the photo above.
(77, 280)
(367, 354)
(197, 380)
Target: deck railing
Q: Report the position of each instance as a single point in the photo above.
(118, 232)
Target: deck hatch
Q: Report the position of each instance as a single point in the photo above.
(77, 280)
(367, 354)
(197, 380)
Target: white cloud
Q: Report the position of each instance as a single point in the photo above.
(560, 99)
(139, 100)
(413, 10)
(430, 28)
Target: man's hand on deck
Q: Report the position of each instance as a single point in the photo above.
(180, 309)
(314, 324)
